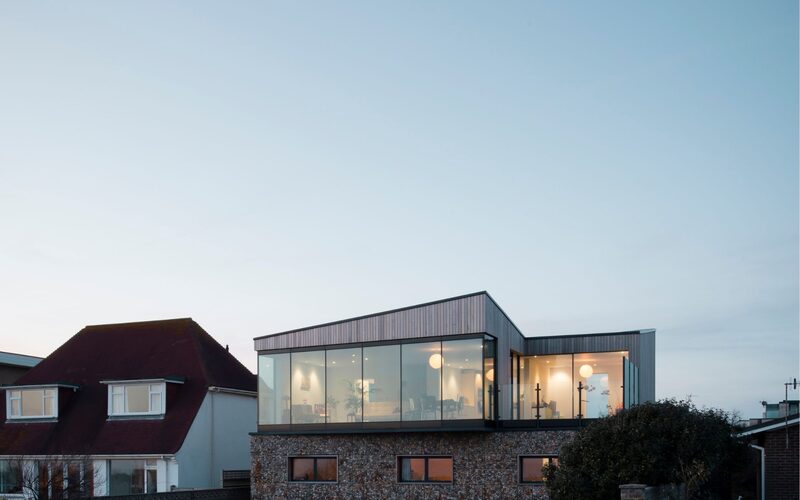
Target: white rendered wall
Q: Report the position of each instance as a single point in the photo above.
(218, 440)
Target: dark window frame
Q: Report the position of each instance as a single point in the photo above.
(521, 458)
(290, 469)
(425, 479)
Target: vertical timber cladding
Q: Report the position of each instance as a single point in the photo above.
(457, 316)
(509, 338)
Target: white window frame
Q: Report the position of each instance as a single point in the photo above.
(154, 388)
(19, 390)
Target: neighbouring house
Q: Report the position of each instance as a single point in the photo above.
(444, 399)
(13, 366)
(127, 408)
(777, 442)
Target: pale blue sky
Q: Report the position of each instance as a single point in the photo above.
(261, 166)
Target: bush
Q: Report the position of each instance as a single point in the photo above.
(668, 442)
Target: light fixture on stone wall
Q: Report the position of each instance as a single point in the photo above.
(586, 371)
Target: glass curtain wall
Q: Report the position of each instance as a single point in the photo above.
(462, 381)
(549, 386)
(308, 387)
(546, 387)
(422, 381)
(344, 391)
(489, 383)
(515, 386)
(599, 375)
(273, 389)
(381, 383)
(442, 380)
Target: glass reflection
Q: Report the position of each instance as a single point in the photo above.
(462, 387)
(344, 385)
(422, 381)
(489, 389)
(308, 387)
(273, 389)
(381, 383)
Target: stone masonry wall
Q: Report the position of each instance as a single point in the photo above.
(485, 464)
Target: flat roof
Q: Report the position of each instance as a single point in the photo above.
(14, 359)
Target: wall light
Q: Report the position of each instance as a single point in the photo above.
(586, 371)
(435, 361)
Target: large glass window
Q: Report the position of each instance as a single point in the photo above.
(381, 383)
(313, 469)
(531, 469)
(10, 476)
(31, 403)
(344, 385)
(422, 381)
(551, 378)
(462, 380)
(273, 389)
(136, 399)
(489, 383)
(600, 378)
(132, 477)
(308, 387)
(425, 469)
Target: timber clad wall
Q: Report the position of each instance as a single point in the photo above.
(460, 316)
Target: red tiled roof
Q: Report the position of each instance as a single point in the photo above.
(127, 351)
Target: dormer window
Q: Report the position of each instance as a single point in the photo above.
(138, 398)
(135, 399)
(40, 402)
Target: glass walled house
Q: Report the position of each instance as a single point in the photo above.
(426, 392)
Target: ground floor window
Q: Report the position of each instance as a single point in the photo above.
(131, 477)
(321, 469)
(531, 469)
(425, 469)
(10, 477)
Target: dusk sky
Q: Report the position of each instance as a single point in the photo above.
(262, 166)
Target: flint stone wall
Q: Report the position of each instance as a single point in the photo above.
(485, 464)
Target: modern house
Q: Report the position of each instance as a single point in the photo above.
(443, 399)
(127, 408)
(13, 366)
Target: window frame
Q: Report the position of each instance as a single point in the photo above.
(162, 391)
(290, 469)
(426, 479)
(520, 458)
(10, 397)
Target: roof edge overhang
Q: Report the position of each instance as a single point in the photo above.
(229, 390)
(62, 385)
(168, 380)
(779, 423)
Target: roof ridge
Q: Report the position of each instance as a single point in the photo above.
(139, 322)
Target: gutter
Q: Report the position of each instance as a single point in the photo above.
(238, 392)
